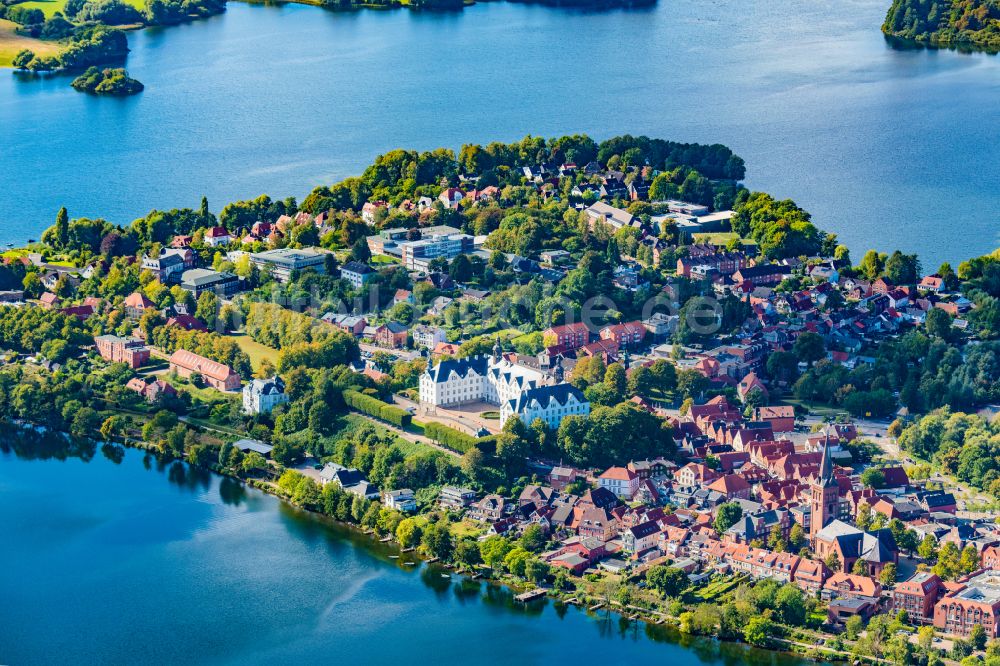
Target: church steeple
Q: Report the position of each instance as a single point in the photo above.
(824, 495)
(826, 466)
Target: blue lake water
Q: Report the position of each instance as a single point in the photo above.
(887, 148)
(132, 562)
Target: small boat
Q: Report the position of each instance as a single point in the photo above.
(408, 564)
(444, 575)
(394, 557)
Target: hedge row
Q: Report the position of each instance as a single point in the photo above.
(449, 437)
(375, 407)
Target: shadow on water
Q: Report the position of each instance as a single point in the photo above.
(467, 590)
(231, 491)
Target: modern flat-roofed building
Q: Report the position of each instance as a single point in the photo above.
(417, 254)
(456, 498)
(283, 261)
(200, 280)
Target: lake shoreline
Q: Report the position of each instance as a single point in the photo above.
(372, 545)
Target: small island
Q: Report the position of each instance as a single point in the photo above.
(963, 24)
(111, 81)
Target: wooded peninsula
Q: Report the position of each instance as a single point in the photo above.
(963, 24)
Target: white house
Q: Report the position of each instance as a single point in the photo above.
(551, 404)
(622, 481)
(356, 273)
(217, 236)
(260, 396)
(428, 336)
(641, 537)
(400, 500)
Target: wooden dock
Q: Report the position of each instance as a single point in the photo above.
(531, 595)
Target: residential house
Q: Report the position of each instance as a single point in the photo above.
(400, 500)
(357, 273)
(622, 481)
(628, 335)
(217, 236)
(260, 396)
(391, 335)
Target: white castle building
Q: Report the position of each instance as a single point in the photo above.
(519, 391)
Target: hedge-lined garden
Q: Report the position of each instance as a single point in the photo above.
(375, 407)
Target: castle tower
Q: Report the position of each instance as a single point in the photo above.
(558, 373)
(824, 496)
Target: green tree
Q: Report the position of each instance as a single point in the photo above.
(977, 636)
(533, 539)
(758, 631)
(888, 575)
(437, 540)
(408, 533)
(809, 347)
(669, 581)
(727, 516)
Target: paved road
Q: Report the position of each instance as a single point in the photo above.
(398, 353)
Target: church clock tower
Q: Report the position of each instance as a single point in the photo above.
(824, 496)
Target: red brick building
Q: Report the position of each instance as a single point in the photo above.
(917, 596)
(568, 336)
(130, 351)
(626, 335)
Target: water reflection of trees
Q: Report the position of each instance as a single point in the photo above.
(189, 478)
(433, 577)
(34, 445)
(113, 452)
(231, 491)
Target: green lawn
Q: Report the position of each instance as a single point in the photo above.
(720, 238)
(50, 7)
(255, 350)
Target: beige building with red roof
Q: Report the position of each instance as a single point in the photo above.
(218, 375)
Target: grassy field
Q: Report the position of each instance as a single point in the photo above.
(12, 43)
(255, 350)
(353, 421)
(719, 238)
(50, 7)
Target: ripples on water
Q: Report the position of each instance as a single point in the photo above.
(120, 558)
(886, 147)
